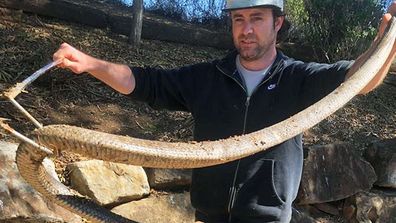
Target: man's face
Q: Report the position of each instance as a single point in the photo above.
(254, 32)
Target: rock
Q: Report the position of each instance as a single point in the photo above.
(317, 213)
(327, 208)
(168, 178)
(375, 206)
(349, 212)
(333, 172)
(169, 208)
(19, 202)
(39, 219)
(300, 216)
(108, 183)
(382, 156)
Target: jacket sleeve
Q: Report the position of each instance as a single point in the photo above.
(318, 80)
(168, 89)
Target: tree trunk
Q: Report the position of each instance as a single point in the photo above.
(137, 21)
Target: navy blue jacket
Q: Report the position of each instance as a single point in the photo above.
(215, 95)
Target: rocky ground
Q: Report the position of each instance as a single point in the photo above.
(63, 98)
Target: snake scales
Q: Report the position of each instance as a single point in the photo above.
(146, 153)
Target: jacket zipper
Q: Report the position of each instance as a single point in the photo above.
(235, 189)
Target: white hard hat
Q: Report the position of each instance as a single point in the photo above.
(240, 4)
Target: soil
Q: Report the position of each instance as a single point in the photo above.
(61, 97)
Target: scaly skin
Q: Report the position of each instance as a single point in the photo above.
(146, 153)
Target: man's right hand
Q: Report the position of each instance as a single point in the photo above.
(73, 59)
(117, 76)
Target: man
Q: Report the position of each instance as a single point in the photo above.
(250, 89)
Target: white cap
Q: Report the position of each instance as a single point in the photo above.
(240, 4)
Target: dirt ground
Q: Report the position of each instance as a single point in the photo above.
(60, 97)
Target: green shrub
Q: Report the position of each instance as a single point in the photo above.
(335, 29)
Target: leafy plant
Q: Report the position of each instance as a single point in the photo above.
(335, 29)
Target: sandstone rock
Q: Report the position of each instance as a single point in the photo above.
(19, 202)
(168, 178)
(169, 208)
(333, 172)
(108, 183)
(373, 207)
(382, 156)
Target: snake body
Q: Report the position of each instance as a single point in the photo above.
(157, 154)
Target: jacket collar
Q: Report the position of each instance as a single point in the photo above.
(227, 65)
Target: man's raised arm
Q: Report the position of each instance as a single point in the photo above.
(117, 76)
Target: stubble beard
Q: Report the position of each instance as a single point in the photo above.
(252, 54)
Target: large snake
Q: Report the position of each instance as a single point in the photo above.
(157, 154)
